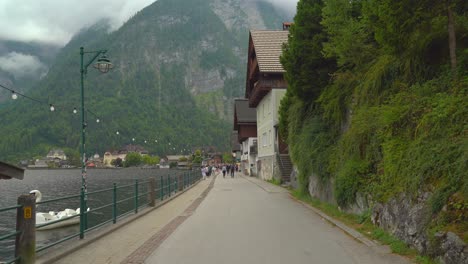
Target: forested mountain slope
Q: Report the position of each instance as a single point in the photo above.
(178, 64)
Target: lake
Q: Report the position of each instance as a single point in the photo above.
(65, 182)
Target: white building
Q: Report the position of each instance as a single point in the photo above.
(265, 88)
(245, 123)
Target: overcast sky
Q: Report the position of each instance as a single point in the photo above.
(56, 21)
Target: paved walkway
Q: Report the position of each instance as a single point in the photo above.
(245, 220)
(241, 220)
(118, 245)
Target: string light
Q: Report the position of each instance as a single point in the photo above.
(52, 108)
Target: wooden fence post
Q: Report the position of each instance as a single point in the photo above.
(25, 244)
(151, 193)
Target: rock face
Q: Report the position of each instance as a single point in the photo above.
(449, 248)
(408, 220)
(321, 190)
(404, 217)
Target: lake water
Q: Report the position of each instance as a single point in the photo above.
(60, 183)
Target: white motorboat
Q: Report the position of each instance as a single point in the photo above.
(50, 217)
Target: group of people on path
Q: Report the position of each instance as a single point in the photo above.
(225, 169)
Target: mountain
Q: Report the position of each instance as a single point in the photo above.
(22, 64)
(178, 64)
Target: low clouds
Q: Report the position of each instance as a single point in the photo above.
(22, 65)
(288, 5)
(56, 21)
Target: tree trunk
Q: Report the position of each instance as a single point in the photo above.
(452, 39)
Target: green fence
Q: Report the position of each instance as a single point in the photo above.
(121, 200)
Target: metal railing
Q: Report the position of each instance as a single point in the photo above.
(124, 200)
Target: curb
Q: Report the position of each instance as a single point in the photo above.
(49, 256)
(351, 232)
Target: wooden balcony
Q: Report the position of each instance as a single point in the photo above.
(263, 86)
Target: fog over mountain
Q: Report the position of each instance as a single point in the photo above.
(34, 31)
(52, 22)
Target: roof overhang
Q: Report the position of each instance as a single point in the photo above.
(8, 171)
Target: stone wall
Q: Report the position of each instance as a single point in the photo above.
(269, 168)
(408, 219)
(403, 217)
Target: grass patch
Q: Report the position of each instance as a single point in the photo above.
(275, 181)
(363, 224)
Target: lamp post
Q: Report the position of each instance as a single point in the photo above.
(103, 65)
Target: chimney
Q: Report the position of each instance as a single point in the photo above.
(287, 25)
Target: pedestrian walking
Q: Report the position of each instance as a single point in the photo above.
(232, 170)
(224, 171)
(203, 171)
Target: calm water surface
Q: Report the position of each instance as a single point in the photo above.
(60, 183)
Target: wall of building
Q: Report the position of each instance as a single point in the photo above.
(268, 168)
(248, 159)
(267, 118)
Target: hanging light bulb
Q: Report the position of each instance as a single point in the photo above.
(156, 141)
(52, 108)
(133, 139)
(14, 96)
(117, 132)
(74, 110)
(145, 141)
(97, 120)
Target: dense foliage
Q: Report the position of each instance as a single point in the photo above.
(377, 101)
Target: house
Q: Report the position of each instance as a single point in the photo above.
(235, 146)
(175, 158)
(135, 148)
(245, 123)
(110, 156)
(122, 153)
(38, 163)
(215, 159)
(265, 87)
(183, 165)
(56, 155)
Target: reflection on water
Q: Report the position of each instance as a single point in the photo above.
(60, 183)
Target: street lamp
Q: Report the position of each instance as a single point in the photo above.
(103, 65)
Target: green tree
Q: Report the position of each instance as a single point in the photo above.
(307, 71)
(150, 160)
(197, 157)
(228, 158)
(73, 157)
(133, 159)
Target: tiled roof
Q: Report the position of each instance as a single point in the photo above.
(244, 113)
(268, 48)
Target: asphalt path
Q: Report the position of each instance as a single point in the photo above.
(245, 220)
